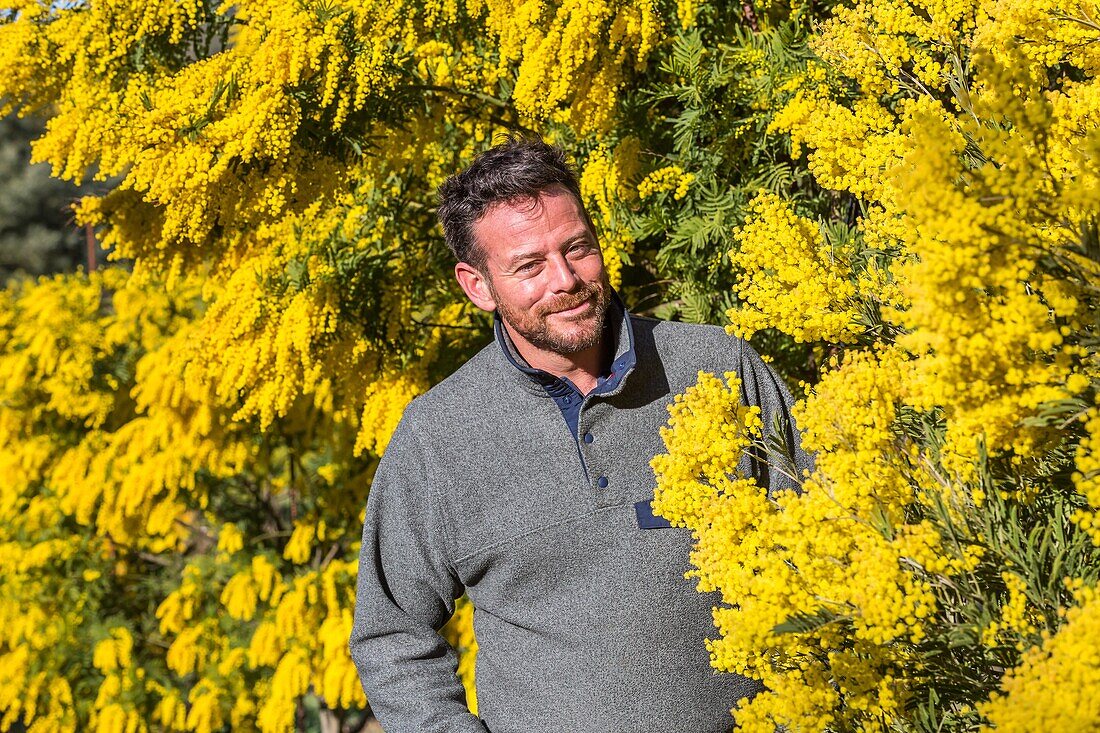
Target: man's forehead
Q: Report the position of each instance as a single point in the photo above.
(512, 224)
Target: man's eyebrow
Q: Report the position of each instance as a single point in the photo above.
(521, 256)
(518, 258)
(578, 237)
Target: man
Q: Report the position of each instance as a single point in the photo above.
(524, 479)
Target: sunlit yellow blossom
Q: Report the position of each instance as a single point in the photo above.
(807, 291)
(1057, 685)
(672, 178)
(1087, 476)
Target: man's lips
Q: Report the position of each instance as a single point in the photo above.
(575, 310)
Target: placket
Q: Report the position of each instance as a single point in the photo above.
(597, 456)
(567, 398)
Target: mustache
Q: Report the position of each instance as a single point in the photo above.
(572, 301)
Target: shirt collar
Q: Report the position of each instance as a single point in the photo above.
(622, 363)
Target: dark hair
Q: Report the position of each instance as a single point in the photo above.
(518, 169)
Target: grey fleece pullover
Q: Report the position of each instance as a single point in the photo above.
(584, 620)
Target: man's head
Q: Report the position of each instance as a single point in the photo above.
(525, 245)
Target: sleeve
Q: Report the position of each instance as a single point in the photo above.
(780, 462)
(406, 592)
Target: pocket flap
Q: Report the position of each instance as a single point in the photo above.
(647, 519)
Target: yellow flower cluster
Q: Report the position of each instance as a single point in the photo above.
(574, 57)
(297, 634)
(213, 144)
(1087, 476)
(1057, 32)
(852, 148)
(113, 711)
(1057, 685)
(131, 482)
(252, 369)
(606, 179)
(888, 45)
(670, 178)
(966, 287)
(789, 278)
(801, 554)
(686, 12)
(606, 183)
(383, 405)
(69, 346)
(268, 350)
(106, 431)
(988, 323)
(970, 292)
(695, 451)
(1016, 614)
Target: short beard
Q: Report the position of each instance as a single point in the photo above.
(542, 337)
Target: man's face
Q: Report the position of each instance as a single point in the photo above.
(544, 271)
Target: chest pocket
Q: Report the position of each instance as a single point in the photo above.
(647, 519)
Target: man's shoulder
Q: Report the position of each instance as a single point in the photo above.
(687, 341)
(457, 395)
(682, 329)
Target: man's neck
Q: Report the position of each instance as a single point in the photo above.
(581, 368)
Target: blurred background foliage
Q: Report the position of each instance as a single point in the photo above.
(38, 235)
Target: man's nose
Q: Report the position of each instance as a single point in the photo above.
(563, 278)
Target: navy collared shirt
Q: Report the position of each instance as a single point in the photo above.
(564, 393)
(570, 400)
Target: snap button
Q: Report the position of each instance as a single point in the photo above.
(588, 437)
(602, 482)
(568, 399)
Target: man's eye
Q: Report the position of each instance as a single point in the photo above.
(581, 247)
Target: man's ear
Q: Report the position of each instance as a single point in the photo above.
(476, 286)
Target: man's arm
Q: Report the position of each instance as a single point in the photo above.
(406, 592)
(760, 385)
